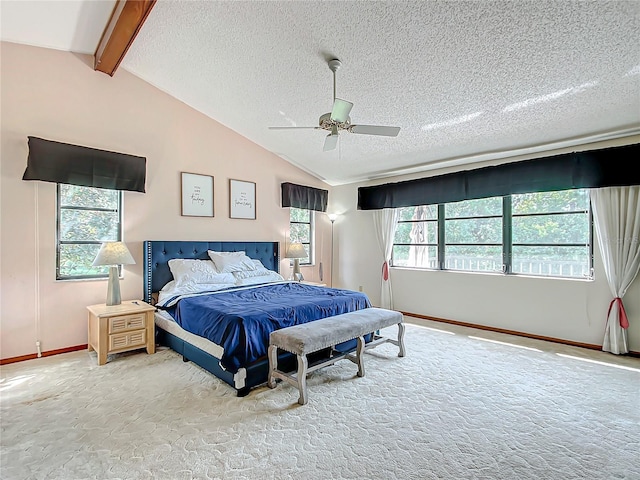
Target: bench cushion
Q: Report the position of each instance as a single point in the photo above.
(327, 332)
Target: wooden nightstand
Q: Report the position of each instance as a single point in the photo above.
(120, 328)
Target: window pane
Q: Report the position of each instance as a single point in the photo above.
(300, 215)
(88, 225)
(474, 230)
(423, 212)
(548, 202)
(76, 260)
(474, 208)
(300, 232)
(476, 258)
(416, 232)
(415, 256)
(557, 229)
(75, 196)
(552, 261)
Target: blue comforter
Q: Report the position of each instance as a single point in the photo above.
(240, 320)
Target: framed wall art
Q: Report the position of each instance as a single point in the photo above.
(242, 199)
(197, 195)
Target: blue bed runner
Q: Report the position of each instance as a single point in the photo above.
(240, 320)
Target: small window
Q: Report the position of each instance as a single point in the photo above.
(301, 231)
(86, 217)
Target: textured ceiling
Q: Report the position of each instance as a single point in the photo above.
(465, 81)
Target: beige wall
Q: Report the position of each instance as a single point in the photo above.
(57, 96)
(573, 310)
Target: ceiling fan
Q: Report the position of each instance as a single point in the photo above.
(338, 119)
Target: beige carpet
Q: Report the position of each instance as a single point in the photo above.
(455, 408)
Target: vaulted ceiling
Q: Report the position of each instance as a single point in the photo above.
(465, 81)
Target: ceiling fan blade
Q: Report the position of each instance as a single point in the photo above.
(330, 142)
(292, 128)
(375, 130)
(341, 110)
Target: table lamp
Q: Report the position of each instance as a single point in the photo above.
(296, 251)
(113, 254)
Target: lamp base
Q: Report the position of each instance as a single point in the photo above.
(297, 275)
(113, 289)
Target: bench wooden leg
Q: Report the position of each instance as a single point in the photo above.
(302, 379)
(360, 356)
(401, 339)
(273, 365)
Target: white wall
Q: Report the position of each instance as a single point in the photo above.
(58, 96)
(573, 310)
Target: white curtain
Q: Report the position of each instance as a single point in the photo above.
(616, 212)
(385, 222)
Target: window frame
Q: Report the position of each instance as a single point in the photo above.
(507, 240)
(310, 244)
(59, 242)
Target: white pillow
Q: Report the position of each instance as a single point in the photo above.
(231, 263)
(172, 289)
(237, 254)
(268, 278)
(197, 271)
(258, 264)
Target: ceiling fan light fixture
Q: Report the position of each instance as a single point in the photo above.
(340, 111)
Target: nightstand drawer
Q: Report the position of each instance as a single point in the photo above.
(126, 322)
(127, 340)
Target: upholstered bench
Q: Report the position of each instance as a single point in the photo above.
(311, 337)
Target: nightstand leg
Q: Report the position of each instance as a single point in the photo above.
(151, 334)
(89, 346)
(102, 357)
(103, 338)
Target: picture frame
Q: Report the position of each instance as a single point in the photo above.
(196, 195)
(242, 199)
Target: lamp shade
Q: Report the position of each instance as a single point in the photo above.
(113, 253)
(295, 250)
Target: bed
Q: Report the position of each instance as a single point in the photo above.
(226, 331)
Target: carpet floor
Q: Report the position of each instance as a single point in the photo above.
(456, 407)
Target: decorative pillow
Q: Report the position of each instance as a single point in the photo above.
(252, 273)
(197, 271)
(231, 263)
(268, 278)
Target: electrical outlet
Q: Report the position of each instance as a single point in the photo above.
(360, 288)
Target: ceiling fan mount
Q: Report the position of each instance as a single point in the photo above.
(326, 123)
(338, 119)
(335, 65)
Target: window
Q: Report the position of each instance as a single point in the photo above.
(552, 234)
(301, 231)
(473, 235)
(86, 217)
(542, 234)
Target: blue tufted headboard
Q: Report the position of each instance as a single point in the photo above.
(158, 253)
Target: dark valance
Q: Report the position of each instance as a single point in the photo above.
(57, 162)
(607, 167)
(309, 198)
